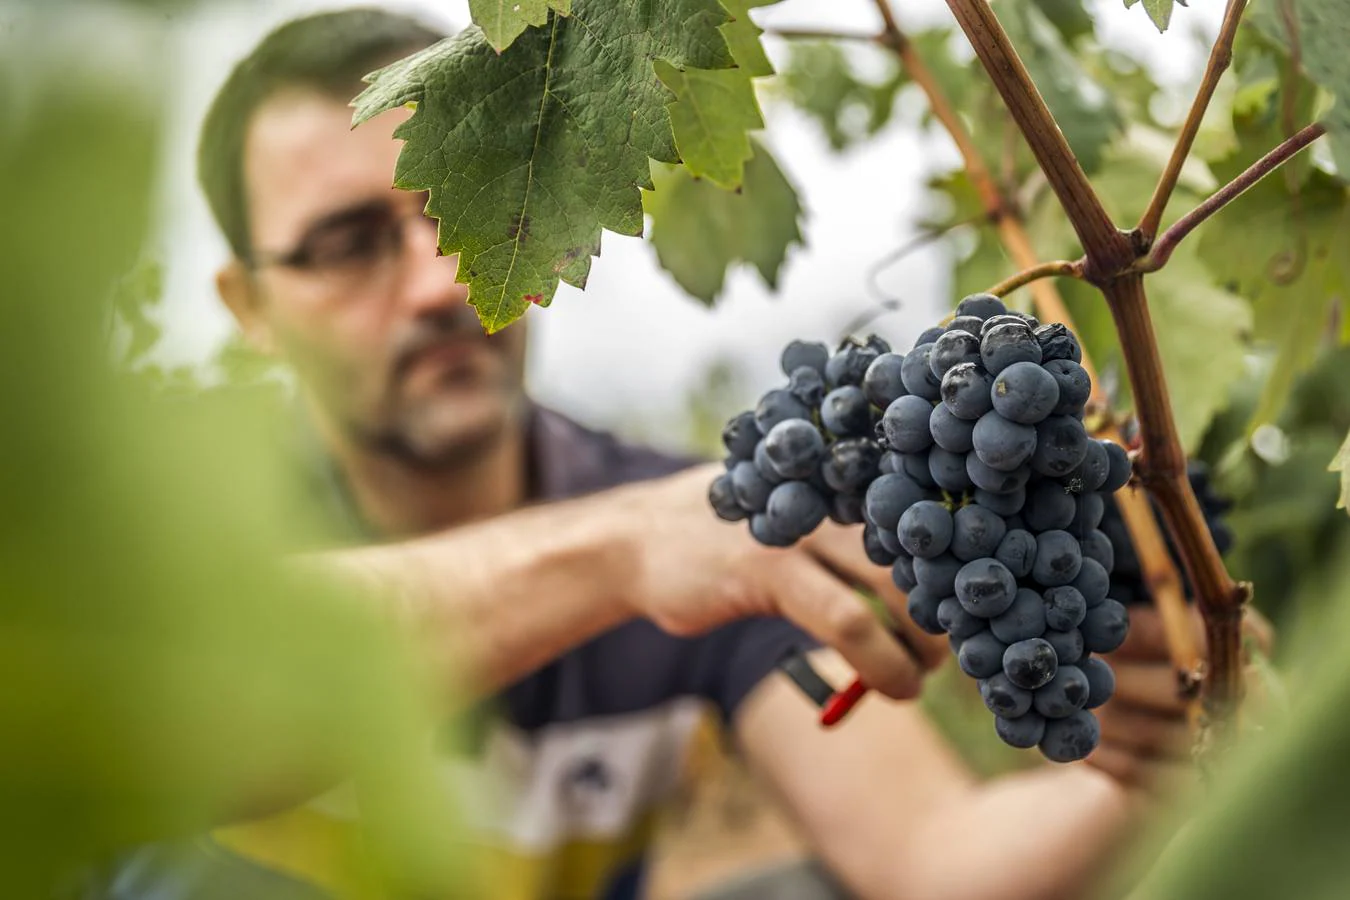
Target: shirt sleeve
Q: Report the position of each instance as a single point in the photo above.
(737, 657)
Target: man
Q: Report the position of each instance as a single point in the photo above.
(592, 622)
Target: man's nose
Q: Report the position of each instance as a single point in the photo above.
(428, 282)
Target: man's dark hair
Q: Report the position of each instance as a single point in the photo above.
(327, 52)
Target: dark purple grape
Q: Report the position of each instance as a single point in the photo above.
(1017, 552)
(1061, 445)
(883, 382)
(1063, 695)
(965, 391)
(850, 465)
(922, 607)
(938, 574)
(1009, 343)
(976, 532)
(1024, 392)
(1074, 385)
(778, 406)
(949, 431)
(1024, 620)
(1024, 732)
(953, 348)
(1117, 466)
(1070, 739)
(750, 489)
(1002, 444)
(1057, 342)
(807, 385)
(887, 498)
(904, 425)
(1030, 663)
(1059, 558)
(723, 500)
(1101, 681)
(925, 529)
(981, 655)
(741, 435)
(1006, 505)
(810, 354)
(948, 470)
(1003, 697)
(982, 306)
(845, 412)
(793, 448)
(985, 587)
(954, 619)
(1064, 607)
(917, 373)
(795, 509)
(1105, 626)
(993, 480)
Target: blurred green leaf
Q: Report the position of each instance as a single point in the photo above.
(700, 230)
(742, 37)
(1341, 463)
(502, 21)
(820, 79)
(1069, 17)
(1159, 11)
(712, 115)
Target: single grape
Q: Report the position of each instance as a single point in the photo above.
(954, 619)
(793, 448)
(925, 529)
(1023, 620)
(981, 655)
(1031, 321)
(938, 574)
(1117, 467)
(891, 463)
(1088, 512)
(846, 509)
(850, 465)
(874, 548)
(810, 354)
(762, 531)
(1064, 607)
(1071, 738)
(915, 465)
(1127, 562)
(969, 324)
(1091, 473)
(1017, 552)
(985, 587)
(1002, 444)
(1030, 663)
(949, 431)
(994, 481)
(1003, 697)
(741, 435)
(1024, 392)
(1105, 626)
(849, 364)
(1024, 732)
(845, 412)
(891, 541)
(877, 344)
(953, 348)
(922, 607)
(966, 391)
(807, 385)
(976, 532)
(981, 305)
(778, 406)
(1005, 504)
(887, 498)
(904, 425)
(1061, 445)
(1101, 681)
(930, 335)
(750, 488)
(917, 373)
(1097, 547)
(883, 382)
(795, 509)
(723, 500)
(1068, 645)
(765, 467)
(1075, 386)
(902, 572)
(1005, 318)
(948, 470)
(1063, 695)
(1058, 558)
(1049, 507)
(1058, 342)
(1009, 343)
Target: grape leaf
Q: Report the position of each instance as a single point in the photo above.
(742, 36)
(1086, 112)
(700, 230)
(711, 115)
(502, 21)
(1341, 463)
(1069, 17)
(820, 79)
(1160, 11)
(529, 154)
(1317, 33)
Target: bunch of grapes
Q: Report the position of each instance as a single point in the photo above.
(979, 486)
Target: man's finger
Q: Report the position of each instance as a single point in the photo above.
(1146, 734)
(1149, 686)
(1147, 639)
(1155, 776)
(832, 611)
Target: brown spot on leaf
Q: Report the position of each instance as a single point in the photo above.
(520, 228)
(536, 299)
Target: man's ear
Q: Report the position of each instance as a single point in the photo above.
(242, 296)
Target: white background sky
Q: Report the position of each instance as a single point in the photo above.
(633, 343)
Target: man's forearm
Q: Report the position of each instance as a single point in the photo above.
(494, 600)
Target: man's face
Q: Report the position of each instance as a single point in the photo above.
(349, 289)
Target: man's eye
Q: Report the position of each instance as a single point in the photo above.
(353, 243)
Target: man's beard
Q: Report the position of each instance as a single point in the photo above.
(406, 445)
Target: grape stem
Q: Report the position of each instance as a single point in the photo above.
(1220, 57)
(1060, 267)
(814, 34)
(1109, 259)
(1162, 250)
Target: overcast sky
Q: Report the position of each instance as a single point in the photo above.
(632, 341)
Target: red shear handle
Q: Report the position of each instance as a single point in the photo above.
(839, 705)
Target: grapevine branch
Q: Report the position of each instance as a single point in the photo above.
(1220, 57)
(1167, 242)
(1110, 254)
(1060, 267)
(1159, 572)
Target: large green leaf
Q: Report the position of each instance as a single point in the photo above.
(502, 21)
(742, 36)
(1317, 34)
(1341, 463)
(713, 111)
(821, 80)
(700, 230)
(530, 154)
(1069, 17)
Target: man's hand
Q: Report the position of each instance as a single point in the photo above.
(696, 572)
